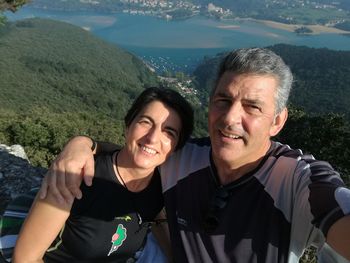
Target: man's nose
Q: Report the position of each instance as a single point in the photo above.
(233, 115)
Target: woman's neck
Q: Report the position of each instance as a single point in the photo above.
(133, 178)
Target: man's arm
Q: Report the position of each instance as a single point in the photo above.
(338, 237)
(72, 165)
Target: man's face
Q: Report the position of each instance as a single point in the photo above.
(242, 118)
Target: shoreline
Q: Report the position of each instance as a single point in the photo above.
(316, 29)
(105, 19)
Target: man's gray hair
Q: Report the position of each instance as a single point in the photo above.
(259, 61)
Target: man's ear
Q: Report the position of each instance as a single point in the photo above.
(280, 120)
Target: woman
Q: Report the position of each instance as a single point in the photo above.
(111, 221)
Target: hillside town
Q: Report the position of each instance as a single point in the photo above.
(328, 14)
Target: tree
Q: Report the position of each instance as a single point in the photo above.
(11, 5)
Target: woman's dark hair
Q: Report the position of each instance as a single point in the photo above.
(172, 99)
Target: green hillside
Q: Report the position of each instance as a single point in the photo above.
(57, 81)
(64, 68)
(319, 117)
(322, 83)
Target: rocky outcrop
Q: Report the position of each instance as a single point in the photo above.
(17, 175)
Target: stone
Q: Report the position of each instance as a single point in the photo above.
(17, 175)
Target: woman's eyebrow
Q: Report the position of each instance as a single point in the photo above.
(168, 127)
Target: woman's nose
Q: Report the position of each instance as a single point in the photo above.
(153, 135)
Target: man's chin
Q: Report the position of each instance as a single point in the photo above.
(226, 154)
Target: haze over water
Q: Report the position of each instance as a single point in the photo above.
(181, 45)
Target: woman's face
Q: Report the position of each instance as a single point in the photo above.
(152, 135)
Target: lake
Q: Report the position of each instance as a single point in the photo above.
(181, 45)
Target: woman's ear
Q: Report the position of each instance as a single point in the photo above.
(126, 130)
(280, 120)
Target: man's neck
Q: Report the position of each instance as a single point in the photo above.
(230, 172)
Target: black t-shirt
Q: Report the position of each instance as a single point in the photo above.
(109, 223)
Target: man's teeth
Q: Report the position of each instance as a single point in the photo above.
(231, 135)
(148, 150)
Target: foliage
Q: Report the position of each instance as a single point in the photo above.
(179, 14)
(65, 82)
(11, 5)
(343, 26)
(321, 84)
(321, 78)
(309, 256)
(66, 69)
(57, 81)
(320, 125)
(303, 30)
(43, 133)
(327, 137)
(290, 12)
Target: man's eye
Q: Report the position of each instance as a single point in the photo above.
(252, 107)
(222, 103)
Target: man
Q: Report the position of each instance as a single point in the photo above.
(240, 197)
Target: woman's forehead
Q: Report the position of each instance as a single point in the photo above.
(160, 112)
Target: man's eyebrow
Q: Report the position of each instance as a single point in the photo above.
(254, 101)
(222, 94)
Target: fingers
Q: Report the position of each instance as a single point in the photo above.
(73, 181)
(54, 181)
(66, 172)
(43, 189)
(61, 184)
(50, 182)
(89, 171)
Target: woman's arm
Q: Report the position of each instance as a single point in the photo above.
(42, 225)
(161, 233)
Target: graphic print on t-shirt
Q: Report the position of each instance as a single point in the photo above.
(118, 238)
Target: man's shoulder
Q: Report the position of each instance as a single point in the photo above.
(278, 150)
(193, 150)
(284, 154)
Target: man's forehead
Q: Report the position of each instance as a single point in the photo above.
(230, 82)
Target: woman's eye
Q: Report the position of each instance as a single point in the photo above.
(144, 121)
(171, 134)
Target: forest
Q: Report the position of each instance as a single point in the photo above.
(63, 81)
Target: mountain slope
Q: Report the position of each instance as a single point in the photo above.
(64, 68)
(321, 78)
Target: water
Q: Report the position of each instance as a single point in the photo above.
(181, 45)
